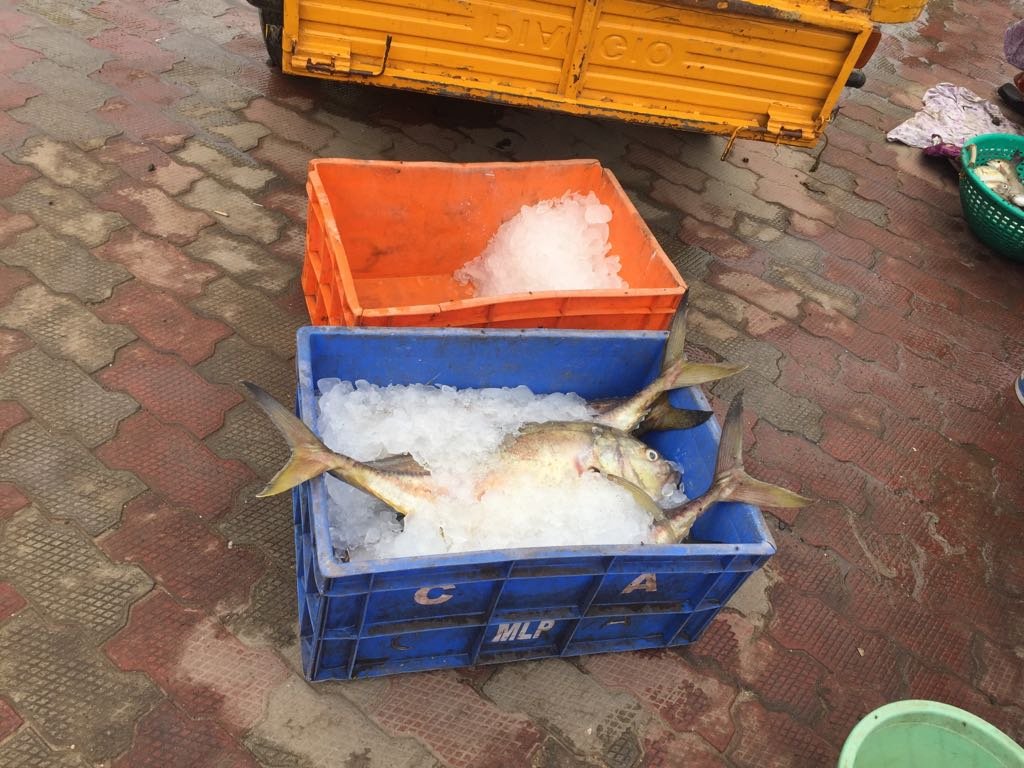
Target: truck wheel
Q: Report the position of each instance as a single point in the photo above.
(272, 23)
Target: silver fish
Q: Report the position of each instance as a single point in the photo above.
(549, 452)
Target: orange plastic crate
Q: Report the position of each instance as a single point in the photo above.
(384, 239)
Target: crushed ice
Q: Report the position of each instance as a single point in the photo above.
(452, 432)
(554, 245)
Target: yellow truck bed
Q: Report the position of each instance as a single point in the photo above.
(763, 69)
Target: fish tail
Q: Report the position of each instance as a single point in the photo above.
(683, 373)
(310, 457)
(676, 372)
(676, 342)
(731, 483)
(665, 416)
(732, 477)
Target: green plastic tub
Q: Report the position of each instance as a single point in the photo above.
(927, 734)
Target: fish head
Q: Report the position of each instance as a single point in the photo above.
(624, 456)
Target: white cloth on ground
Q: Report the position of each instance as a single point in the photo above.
(954, 113)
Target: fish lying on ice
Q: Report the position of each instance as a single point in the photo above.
(551, 452)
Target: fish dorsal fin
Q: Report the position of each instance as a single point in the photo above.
(402, 463)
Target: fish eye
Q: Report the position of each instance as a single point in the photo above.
(652, 454)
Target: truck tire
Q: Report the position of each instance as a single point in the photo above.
(272, 24)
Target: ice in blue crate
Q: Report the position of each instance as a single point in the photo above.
(382, 617)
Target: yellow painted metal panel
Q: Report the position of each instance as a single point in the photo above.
(895, 11)
(769, 69)
(702, 60)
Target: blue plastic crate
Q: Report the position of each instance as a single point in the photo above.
(383, 617)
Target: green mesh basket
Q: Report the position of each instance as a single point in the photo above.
(997, 223)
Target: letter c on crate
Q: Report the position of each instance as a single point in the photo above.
(424, 597)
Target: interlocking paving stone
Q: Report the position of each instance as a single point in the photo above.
(13, 176)
(64, 48)
(169, 388)
(787, 412)
(167, 738)
(63, 110)
(64, 478)
(270, 617)
(774, 740)
(732, 345)
(250, 437)
(65, 165)
(245, 136)
(834, 298)
(685, 698)
(592, 719)
(68, 691)
(173, 463)
(11, 500)
(205, 109)
(26, 750)
(138, 18)
(332, 732)
(138, 84)
(66, 212)
(251, 314)
(64, 328)
(134, 50)
(9, 719)
(61, 395)
(152, 211)
(203, 668)
(182, 554)
(149, 164)
(236, 360)
(247, 262)
(12, 132)
(163, 321)
(263, 523)
(234, 210)
(468, 731)
(156, 262)
(237, 169)
(291, 246)
(10, 603)
(12, 225)
(145, 122)
(11, 415)
(287, 124)
(210, 84)
(63, 575)
(664, 749)
(290, 160)
(293, 204)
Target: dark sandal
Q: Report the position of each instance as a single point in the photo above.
(1012, 97)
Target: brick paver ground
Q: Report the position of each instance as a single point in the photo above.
(151, 228)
